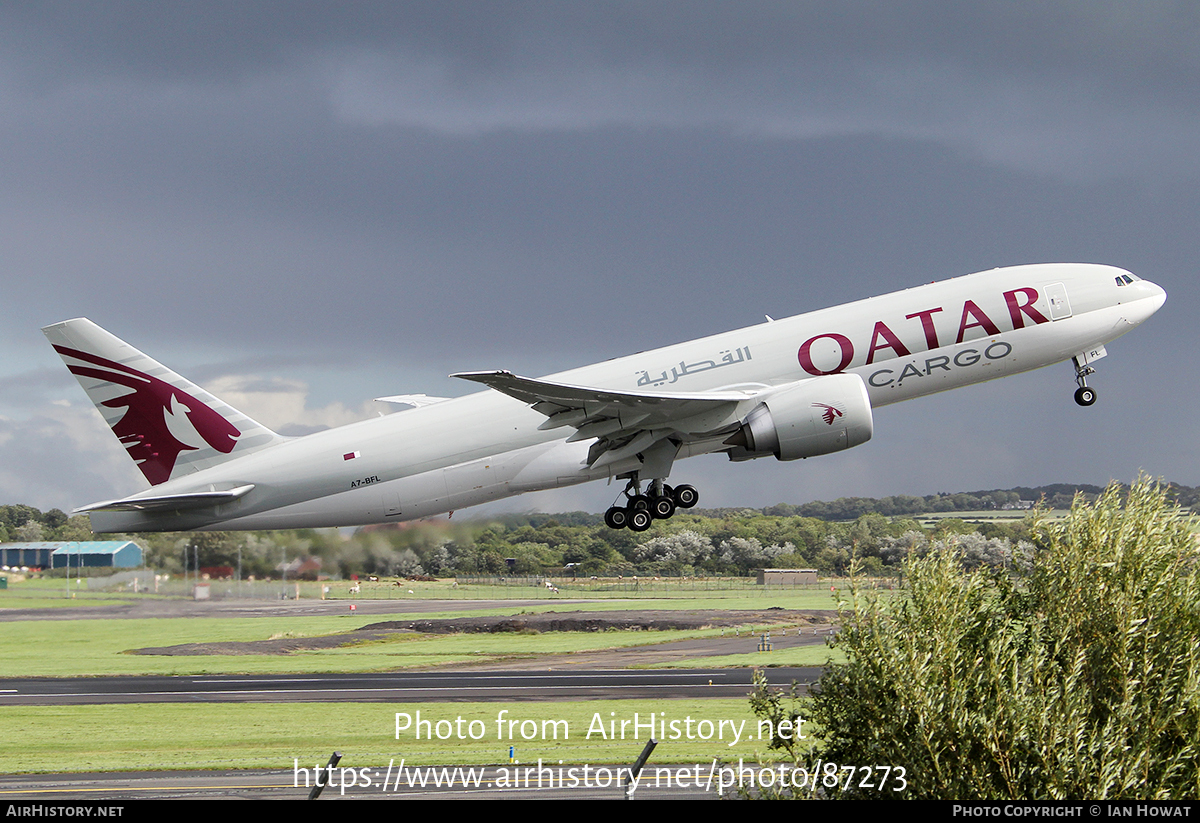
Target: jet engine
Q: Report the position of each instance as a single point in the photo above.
(817, 416)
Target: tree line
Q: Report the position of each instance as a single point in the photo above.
(878, 533)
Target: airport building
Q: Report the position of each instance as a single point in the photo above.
(121, 554)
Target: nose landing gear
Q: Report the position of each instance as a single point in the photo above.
(1084, 395)
(641, 510)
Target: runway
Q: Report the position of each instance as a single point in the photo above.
(395, 687)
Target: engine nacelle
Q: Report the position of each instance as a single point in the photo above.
(818, 416)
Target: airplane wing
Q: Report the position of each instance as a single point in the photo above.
(624, 422)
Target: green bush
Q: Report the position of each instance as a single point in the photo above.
(1072, 675)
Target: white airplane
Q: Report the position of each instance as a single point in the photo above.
(791, 389)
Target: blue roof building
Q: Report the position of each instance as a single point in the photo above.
(122, 554)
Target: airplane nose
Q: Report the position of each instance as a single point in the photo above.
(1155, 293)
(1146, 299)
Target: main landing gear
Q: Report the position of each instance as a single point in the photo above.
(1084, 395)
(641, 510)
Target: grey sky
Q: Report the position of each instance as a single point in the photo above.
(307, 205)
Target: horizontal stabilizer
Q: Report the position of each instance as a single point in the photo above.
(414, 400)
(194, 500)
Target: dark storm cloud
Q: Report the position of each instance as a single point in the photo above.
(931, 70)
(1122, 44)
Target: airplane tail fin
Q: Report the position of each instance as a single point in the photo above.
(169, 426)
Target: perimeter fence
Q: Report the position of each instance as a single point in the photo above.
(549, 588)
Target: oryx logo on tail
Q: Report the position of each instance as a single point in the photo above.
(160, 420)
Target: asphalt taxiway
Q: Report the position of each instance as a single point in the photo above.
(395, 687)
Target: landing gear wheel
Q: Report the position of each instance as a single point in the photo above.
(638, 502)
(1084, 395)
(616, 518)
(662, 507)
(640, 520)
(686, 496)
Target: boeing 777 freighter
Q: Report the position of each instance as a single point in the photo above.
(792, 388)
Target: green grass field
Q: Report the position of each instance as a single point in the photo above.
(103, 647)
(221, 736)
(239, 735)
(70, 648)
